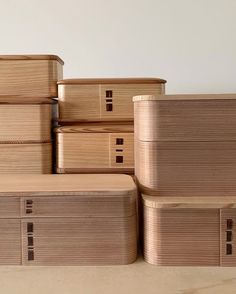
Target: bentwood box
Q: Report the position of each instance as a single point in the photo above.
(103, 99)
(96, 148)
(67, 219)
(192, 231)
(25, 119)
(18, 158)
(186, 145)
(30, 75)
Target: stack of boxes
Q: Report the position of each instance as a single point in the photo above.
(96, 118)
(186, 165)
(27, 84)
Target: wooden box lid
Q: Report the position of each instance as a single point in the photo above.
(112, 81)
(62, 185)
(188, 202)
(31, 57)
(97, 128)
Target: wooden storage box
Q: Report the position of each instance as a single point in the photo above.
(95, 148)
(26, 158)
(30, 75)
(25, 120)
(185, 145)
(68, 219)
(102, 99)
(190, 231)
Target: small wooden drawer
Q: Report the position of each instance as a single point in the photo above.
(30, 75)
(102, 99)
(185, 117)
(25, 120)
(71, 219)
(33, 158)
(190, 231)
(95, 148)
(186, 168)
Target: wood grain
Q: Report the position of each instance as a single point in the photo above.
(25, 123)
(201, 119)
(88, 101)
(32, 57)
(29, 77)
(26, 158)
(94, 149)
(99, 81)
(186, 168)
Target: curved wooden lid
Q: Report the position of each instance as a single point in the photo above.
(32, 57)
(188, 202)
(112, 81)
(25, 100)
(96, 128)
(56, 185)
(185, 97)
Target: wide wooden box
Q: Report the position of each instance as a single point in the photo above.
(103, 99)
(194, 231)
(95, 148)
(68, 220)
(27, 158)
(185, 145)
(25, 120)
(30, 75)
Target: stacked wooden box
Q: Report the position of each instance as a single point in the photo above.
(96, 118)
(27, 84)
(67, 219)
(185, 150)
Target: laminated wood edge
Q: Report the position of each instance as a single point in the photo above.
(112, 81)
(32, 57)
(19, 100)
(96, 128)
(129, 171)
(22, 142)
(66, 122)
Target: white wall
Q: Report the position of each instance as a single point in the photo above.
(191, 43)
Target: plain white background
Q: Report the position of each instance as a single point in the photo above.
(191, 43)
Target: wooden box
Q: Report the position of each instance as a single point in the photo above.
(193, 231)
(103, 99)
(30, 75)
(25, 120)
(185, 145)
(69, 219)
(26, 158)
(96, 148)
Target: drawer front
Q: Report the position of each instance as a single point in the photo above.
(228, 237)
(31, 78)
(10, 242)
(9, 207)
(116, 100)
(83, 151)
(182, 237)
(79, 206)
(26, 158)
(122, 150)
(81, 241)
(79, 102)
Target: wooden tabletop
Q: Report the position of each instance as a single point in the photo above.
(32, 57)
(137, 278)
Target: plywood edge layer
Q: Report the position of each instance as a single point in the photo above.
(32, 57)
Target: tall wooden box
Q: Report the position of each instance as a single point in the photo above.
(30, 75)
(25, 120)
(193, 231)
(96, 148)
(70, 219)
(27, 158)
(185, 145)
(103, 99)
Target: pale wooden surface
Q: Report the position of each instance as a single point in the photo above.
(32, 57)
(30, 184)
(137, 278)
(111, 81)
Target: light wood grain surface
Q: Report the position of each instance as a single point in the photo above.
(137, 278)
(111, 81)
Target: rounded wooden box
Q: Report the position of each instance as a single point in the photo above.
(25, 120)
(192, 231)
